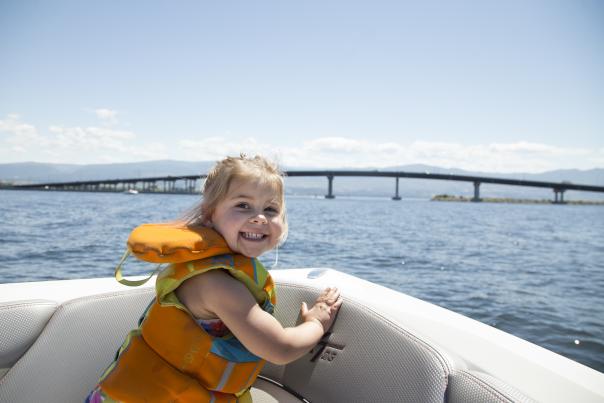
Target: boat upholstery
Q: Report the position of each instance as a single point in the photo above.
(366, 357)
(475, 386)
(22, 323)
(77, 344)
(405, 368)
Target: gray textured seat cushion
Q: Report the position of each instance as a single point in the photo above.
(371, 359)
(79, 341)
(21, 323)
(77, 344)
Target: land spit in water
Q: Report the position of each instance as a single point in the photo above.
(452, 198)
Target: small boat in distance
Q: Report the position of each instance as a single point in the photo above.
(131, 192)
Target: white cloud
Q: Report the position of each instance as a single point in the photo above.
(21, 141)
(339, 145)
(12, 124)
(72, 144)
(344, 152)
(106, 145)
(214, 148)
(108, 116)
(91, 138)
(20, 137)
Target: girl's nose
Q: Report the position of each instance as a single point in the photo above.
(259, 219)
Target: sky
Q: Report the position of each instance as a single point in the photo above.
(492, 86)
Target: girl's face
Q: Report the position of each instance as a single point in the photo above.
(249, 218)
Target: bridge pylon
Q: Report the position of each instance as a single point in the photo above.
(330, 194)
(559, 196)
(396, 195)
(476, 197)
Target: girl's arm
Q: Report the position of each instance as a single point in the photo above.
(219, 295)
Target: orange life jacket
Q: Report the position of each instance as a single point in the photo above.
(170, 357)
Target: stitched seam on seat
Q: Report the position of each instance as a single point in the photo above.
(107, 296)
(27, 304)
(489, 388)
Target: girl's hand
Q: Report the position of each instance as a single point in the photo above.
(325, 308)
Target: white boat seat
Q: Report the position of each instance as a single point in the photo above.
(365, 358)
(76, 345)
(22, 323)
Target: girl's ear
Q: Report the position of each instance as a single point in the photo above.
(207, 222)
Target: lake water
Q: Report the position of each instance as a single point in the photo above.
(536, 271)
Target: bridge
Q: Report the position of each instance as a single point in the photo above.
(169, 184)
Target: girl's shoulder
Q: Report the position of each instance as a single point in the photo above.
(209, 281)
(204, 291)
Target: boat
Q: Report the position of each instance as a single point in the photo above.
(131, 192)
(57, 337)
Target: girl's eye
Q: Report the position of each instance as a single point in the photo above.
(242, 205)
(271, 210)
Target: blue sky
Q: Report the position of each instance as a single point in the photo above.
(506, 86)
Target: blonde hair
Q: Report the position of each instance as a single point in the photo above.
(220, 177)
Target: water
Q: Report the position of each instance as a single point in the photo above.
(536, 271)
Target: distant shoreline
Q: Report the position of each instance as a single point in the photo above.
(452, 198)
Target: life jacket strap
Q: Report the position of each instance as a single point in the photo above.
(132, 283)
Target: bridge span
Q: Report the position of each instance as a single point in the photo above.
(168, 184)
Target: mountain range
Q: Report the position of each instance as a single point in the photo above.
(32, 172)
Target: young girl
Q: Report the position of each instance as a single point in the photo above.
(208, 333)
